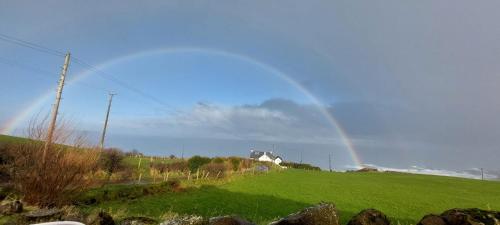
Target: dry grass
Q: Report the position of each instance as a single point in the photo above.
(65, 172)
(53, 180)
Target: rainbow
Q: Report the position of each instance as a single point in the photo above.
(28, 111)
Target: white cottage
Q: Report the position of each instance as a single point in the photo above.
(265, 157)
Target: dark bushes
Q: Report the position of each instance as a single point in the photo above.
(197, 161)
(303, 166)
(177, 166)
(134, 153)
(235, 163)
(5, 159)
(218, 160)
(111, 160)
(125, 192)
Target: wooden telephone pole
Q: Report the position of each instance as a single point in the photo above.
(330, 162)
(101, 144)
(55, 107)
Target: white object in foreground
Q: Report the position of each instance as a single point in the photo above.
(60, 223)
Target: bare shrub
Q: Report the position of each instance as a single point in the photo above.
(177, 166)
(246, 164)
(124, 174)
(55, 180)
(64, 132)
(160, 166)
(214, 169)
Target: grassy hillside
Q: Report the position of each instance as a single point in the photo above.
(10, 139)
(403, 197)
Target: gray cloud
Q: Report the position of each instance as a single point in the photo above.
(277, 120)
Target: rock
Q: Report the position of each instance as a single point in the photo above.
(102, 218)
(72, 213)
(11, 208)
(471, 216)
(138, 220)
(16, 207)
(228, 220)
(43, 215)
(186, 220)
(321, 214)
(432, 220)
(369, 217)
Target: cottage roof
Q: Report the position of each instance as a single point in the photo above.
(257, 154)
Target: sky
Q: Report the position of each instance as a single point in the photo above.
(395, 84)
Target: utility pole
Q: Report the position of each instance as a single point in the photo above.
(330, 161)
(55, 107)
(106, 121)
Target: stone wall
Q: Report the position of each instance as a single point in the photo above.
(320, 214)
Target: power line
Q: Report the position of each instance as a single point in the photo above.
(172, 109)
(102, 74)
(99, 72)
(112, 78)
(43, 73)
(31, 45)
(169, 108)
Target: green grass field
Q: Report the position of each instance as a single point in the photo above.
(146, 161)
(404, 198)
(11, 139)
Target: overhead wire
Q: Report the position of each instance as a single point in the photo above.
(31, 45)
(43, 73)
(102, 74)
(107, 76)
(146, 95)
(137, 91)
